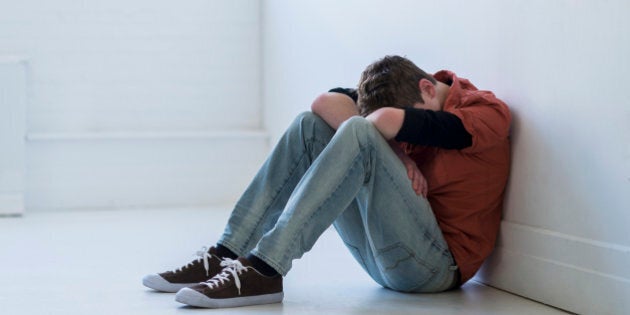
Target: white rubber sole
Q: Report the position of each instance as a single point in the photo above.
(156, 282)
(193, 298)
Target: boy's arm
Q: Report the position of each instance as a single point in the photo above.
(423, 127)
(388, 120)
(418, 181)
(334, 108)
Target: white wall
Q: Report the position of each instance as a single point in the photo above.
(12, 126)
(127, 97)
(562, 66)
(137, 65)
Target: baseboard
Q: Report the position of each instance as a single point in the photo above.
(148, 135)
(67, 171)
(11, 204)
(13, 99)
(572, 273)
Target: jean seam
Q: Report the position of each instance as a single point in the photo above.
(425, 232)
(275, 195)
(358, 252)
(315, 139)
(354, 163)
(412, 255)
(270, 262)
(432, 270)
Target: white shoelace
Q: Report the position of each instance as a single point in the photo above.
(233, 267)
(203, 254)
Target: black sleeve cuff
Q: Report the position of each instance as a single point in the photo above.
(352, 93)
(433, 128)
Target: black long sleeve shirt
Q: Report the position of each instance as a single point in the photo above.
(427, 127)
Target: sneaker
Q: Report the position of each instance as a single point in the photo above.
(199, 270)
(239, 284)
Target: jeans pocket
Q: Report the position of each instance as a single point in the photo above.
(402, 269)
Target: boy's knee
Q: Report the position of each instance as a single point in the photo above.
(309, 122)
(357, 124)
(306, 115)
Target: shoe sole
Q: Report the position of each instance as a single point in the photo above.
(194, 298)
(156, 282)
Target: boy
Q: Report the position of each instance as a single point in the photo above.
(410, 169)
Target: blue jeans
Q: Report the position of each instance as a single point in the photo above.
(351, 178)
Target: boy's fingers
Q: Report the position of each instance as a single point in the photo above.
(425, 187)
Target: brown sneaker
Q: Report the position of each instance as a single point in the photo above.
(239, 284)
(203, 268)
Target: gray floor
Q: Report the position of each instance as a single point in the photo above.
(92, 263)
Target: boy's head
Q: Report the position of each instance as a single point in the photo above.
(390, 82)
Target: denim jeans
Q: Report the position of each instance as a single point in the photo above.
(351, 178)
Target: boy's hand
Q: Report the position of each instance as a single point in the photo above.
(418, 181)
